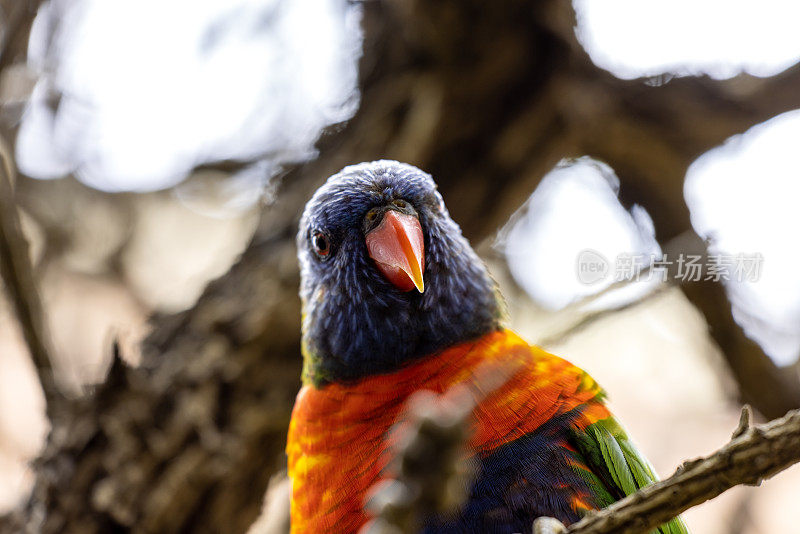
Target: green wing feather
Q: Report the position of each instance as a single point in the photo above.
(615, 460)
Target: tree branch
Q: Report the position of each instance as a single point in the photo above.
(19, 15)
(650, 133)
(752, 455)
(423, 485)
(430, 475)
(17, 273)
(771, 390)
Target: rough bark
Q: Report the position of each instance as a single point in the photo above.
(486, 98)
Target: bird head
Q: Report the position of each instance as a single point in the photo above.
(387, 276)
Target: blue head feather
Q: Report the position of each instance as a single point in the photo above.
(355, 322)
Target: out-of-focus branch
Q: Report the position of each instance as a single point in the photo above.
(650, 132)
(752, 455)
(650, 144)
(431, 475)
(687, 243)
(650, 135)
(17, 273)
(591, 317)
(771, 390)
(15, 264)
(19, 16)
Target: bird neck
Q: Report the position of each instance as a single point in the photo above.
(352, 335)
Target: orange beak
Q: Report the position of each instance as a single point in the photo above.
(398, 248)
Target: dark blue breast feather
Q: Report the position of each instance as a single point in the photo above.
(520, 481)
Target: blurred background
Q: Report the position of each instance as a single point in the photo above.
(163, 145)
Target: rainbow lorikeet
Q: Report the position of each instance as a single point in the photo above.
(394, 301)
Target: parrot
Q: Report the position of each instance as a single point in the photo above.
(395, 301)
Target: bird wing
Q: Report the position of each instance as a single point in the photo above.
(548, 387)
(611, 455)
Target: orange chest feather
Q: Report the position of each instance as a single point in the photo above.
(337, 445)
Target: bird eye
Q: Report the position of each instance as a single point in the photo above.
(399, 203)
(321, 244)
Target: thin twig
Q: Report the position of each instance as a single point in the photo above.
(685, 243)
(593, 316)
(754, 454)
(15, 265)
(17, 273)
(18, 21)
